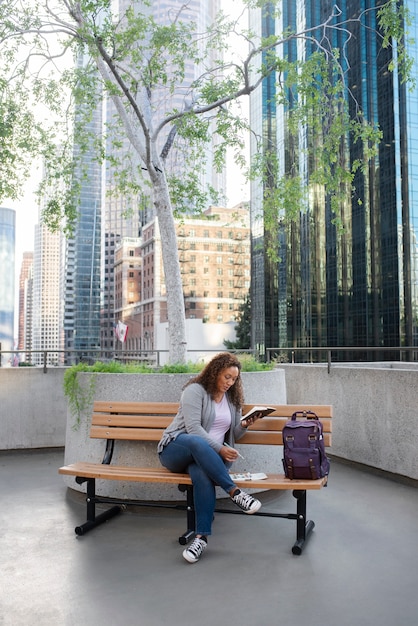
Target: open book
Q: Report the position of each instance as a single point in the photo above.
(264, 410)
(248, 476)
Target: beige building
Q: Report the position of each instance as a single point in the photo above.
(25, 305)
(214, 253)
(46, 309)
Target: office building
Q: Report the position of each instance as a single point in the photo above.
(81, 278)
(46, 295)
(24, 341)
(214, 252)
(360, 288)
(7, 282)
(127, 274)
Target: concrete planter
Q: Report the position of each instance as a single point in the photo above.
(260, 388)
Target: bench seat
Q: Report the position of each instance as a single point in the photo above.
(162, 475)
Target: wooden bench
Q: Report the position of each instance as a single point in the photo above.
(145, 421)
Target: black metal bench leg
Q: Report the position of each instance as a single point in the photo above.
(94, 520)
(191, 521)
(303, 527)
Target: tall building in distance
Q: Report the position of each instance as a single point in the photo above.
(358, 289)
(24, 341)
(46, 295)
(81, 279)
(7, 281)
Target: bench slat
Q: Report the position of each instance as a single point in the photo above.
(287, 410)
(171, 408)
(162, 421)
(157, 408)
(162, 475)
(277, 423)
(132, 421)
(133, 434)
(142, 419)
(268, 438)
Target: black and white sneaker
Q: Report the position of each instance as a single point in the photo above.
(246, 502)
(193, 553)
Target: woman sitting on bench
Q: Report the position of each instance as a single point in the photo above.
(200, 441)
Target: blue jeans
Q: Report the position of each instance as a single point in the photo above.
(193, 454)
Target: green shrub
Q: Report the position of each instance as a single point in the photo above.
(250, 364)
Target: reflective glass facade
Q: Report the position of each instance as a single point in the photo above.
(359, 288)
(82, 274)
(7, 279)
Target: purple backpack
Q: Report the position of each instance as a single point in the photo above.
(303, 447)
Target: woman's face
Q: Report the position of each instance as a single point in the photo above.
(226, 378)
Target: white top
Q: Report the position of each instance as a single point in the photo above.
(222, 422)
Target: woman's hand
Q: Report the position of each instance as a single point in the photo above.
(228, 454)
(251, 420)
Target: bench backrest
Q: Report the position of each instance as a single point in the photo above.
(146, 421)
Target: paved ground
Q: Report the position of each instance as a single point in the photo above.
(360, 567)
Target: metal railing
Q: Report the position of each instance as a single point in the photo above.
(342, 354)
(67, 358)
(325, 354)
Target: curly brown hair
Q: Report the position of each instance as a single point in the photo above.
(209, 375)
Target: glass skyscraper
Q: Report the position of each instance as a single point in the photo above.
(359, 288)
(7, 280)
(81, 279)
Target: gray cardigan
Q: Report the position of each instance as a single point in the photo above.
(196, 415)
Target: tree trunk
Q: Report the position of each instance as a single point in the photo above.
(171, 264)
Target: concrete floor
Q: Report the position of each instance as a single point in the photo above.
(360, 567)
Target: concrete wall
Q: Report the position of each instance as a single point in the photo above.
(33, 408)
(375, 411)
